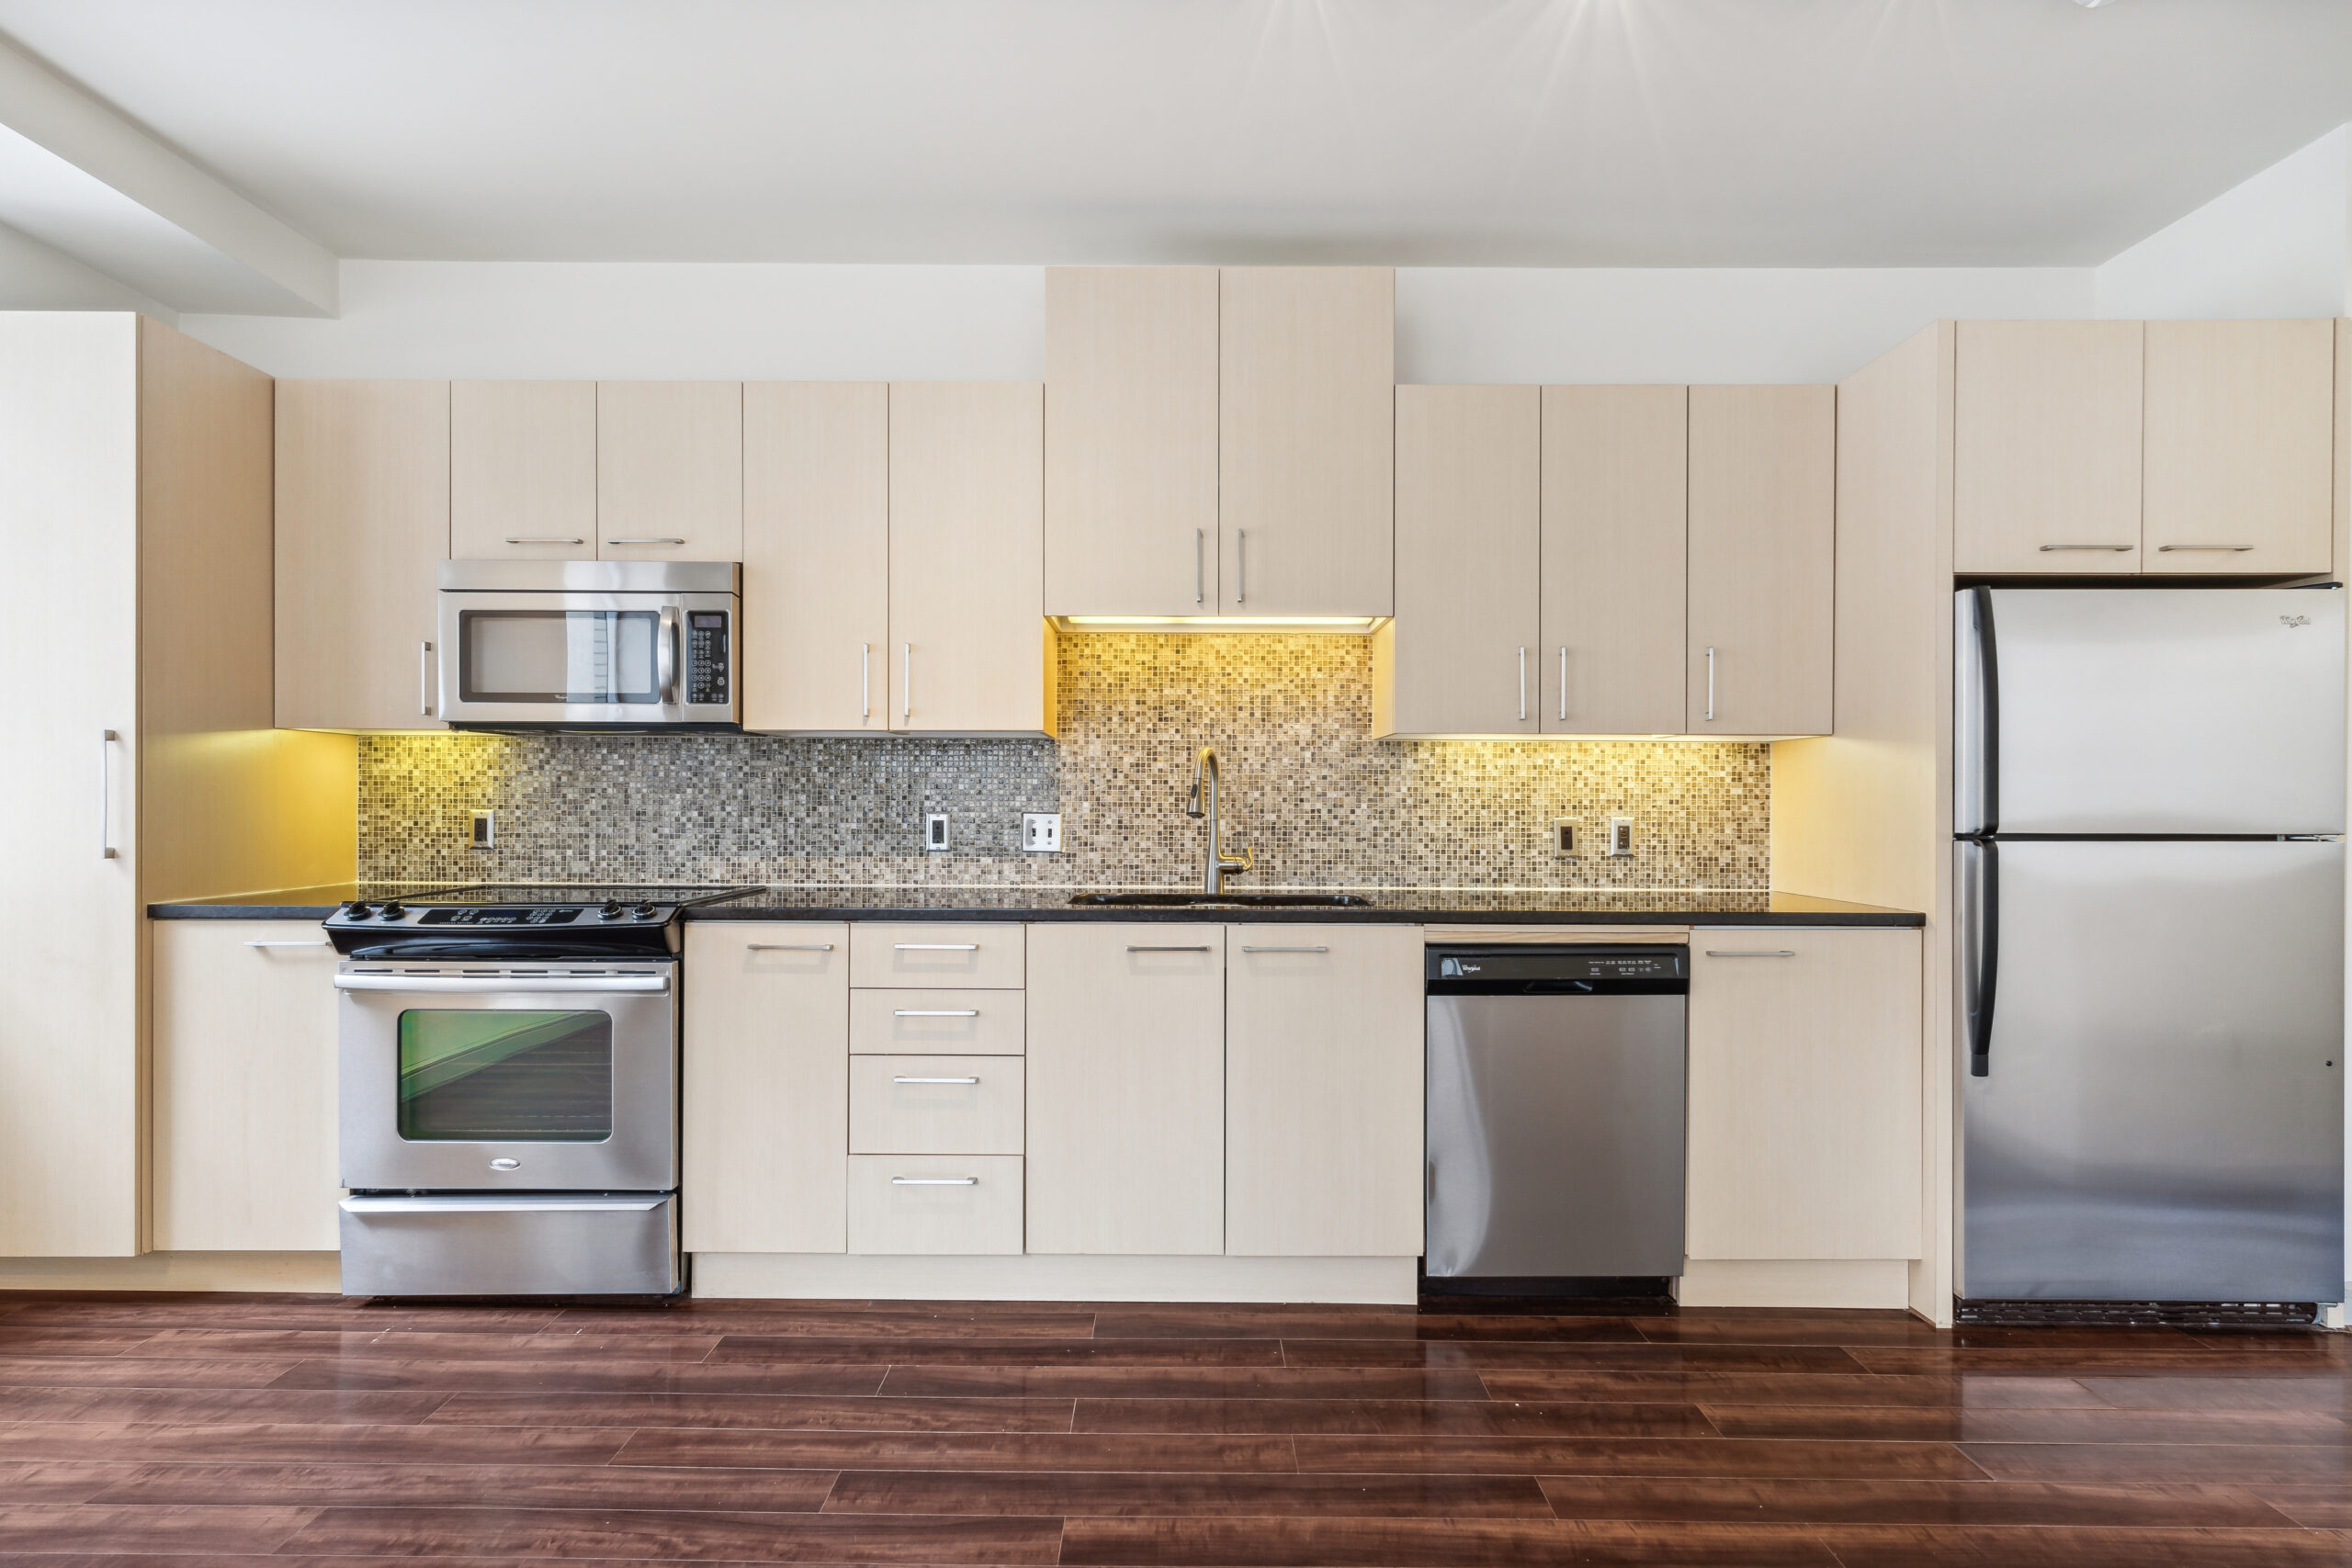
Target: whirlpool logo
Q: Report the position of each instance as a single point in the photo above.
(2294, 620)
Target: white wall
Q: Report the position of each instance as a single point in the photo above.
(2278, 244)
(33, 277)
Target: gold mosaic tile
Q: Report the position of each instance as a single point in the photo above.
(1323, 804)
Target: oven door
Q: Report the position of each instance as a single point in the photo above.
(577, 660)
(491, 1077)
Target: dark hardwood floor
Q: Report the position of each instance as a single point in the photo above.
(311, 1430)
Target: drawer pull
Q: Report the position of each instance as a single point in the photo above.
(934, 1080)
(788, 947)
(648, 539)
(2205, 549)
(1286, 950)
(1750, 952)
(2115, 549)
(1203, 948)
(322, 942)
(936, 946)
(936, 1012)
(542, 539)
(934, 1181)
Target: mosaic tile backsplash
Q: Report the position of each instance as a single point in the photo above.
(1323, 804)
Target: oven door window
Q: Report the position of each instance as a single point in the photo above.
(559, 656)
(505, 1075)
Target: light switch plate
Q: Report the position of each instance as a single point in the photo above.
(1041, 831)
(935, 832)
(1563, 837)
(1621, 837)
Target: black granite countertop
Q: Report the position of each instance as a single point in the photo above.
(1390, 906)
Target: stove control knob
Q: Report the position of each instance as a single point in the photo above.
(357, 909)
(644, 911)
(393, 910)
(610, 911)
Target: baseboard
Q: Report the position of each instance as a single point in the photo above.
(305, 1271)
(1029, 1277)
(1879, 1282)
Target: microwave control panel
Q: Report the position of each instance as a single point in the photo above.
(706, 657)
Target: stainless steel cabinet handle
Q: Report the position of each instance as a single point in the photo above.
(2117, 549)
(665, 654)
(866, 680)
(934, 1080)
(906, 680)
(1204, 948)
(1746, 953)
(106, 738)
(936, 1012)
(1286, 950)
(1523, 682)
(936, 946)
(934, 1181)
(645, 541)
(1564, 680)
(320, 943)
(2205, 549)
(532, 539)
(425, 678)
(788, 947)
(1241, 566)
(1710, 684)
(1200, 566)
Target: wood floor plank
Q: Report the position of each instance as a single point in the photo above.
(1110, 1493)
(64, 1481)
(1456, 1543)
(1012, 1321)
(1995, 1392)
(1394, 1417)
(568, 1374)
(1355, 1323)
(25, 1441)
(2044, 1546)
(29, 1527)
(758, 1348)
(2320, 1508)
(606, 1533)
(1824, 1328)
(468, 1485)
(1186, 1383)
(405, 1345)
(2089, 1359)
(1484, 1355)
(229, 1310)
(2273, 1463)
(210, 1407)
(123, 1372)
(1637, 1456)
(1953, 1426)
(959, 1451)
(1842, 1501)
(779, 1412)
(2299, 1391)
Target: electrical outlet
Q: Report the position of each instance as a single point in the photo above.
(1621, 837)
(935, 832)
(1041, 831)
(1563, 837)
(485, 831)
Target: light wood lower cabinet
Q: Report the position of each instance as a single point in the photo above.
(1804, 1094)
(1126, 1088)
(935, 1105)
(766, 1087)
(921, 955)
(245, 1086)
(936, 1022)
(1323, 1090)
(956, 1204)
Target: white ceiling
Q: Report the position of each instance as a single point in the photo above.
(1495, 132)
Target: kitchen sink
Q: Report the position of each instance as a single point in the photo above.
(1246, 900)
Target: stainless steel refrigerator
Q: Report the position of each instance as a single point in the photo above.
(2149, 799)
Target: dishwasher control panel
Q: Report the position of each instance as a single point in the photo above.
(1583, 967)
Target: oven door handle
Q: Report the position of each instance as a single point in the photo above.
(500, 1206)
(486, 984)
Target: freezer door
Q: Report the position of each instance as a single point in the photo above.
(2190, 710)
(2161, 1114)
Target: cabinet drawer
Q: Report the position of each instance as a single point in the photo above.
(943, 1203)
(935, 1105)
(937, 956)
(969, 1023)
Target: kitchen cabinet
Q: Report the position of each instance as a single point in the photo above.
(1126, 1088)
(2239, 446)
(1306, 437)
(1804, 1094)
(244, 1087)
(523, 470)
(670, 471)
(816, 557)
(1615, 560)
(928, 1022)
(935, 1105)
(362, 527)
(765, 1117)
(1131, 441)
(2046, 447)
(1323, 1090)
(970, 651)
(961, 1205)
(1762, 561)
(1465, 654)
(930, 955)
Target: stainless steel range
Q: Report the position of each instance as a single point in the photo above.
(509, 1090)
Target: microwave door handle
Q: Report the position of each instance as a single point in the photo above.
(665, 655)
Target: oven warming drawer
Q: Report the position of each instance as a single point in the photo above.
(496, 1245)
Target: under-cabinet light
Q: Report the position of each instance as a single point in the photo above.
(1359, 626)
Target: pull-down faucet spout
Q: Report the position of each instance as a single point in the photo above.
(1214, 866)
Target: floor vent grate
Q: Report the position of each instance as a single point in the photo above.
(2136, 1315)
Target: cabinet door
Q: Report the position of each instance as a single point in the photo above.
(523, 470)
(968, 640)
(1131, 441)
(766, 1070)
(670, 471)
(1763, 566)
(244, 1087)
(1323, 1091)
(2239, 446)
(1307, 374)
(363, 525)
(1462, 658)
(2046, 446)
(816, 555)
(1804, 1094)
(1616, 492)
(1126, 1088)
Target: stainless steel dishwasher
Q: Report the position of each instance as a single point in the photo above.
(1556, 1112)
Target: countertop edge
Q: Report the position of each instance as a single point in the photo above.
(1896, 919)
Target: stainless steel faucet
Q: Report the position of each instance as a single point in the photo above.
(1214, 867)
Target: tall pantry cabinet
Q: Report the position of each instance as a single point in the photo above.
(135, 491)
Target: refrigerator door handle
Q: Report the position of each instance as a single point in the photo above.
(1977, 715)
(1981, 929)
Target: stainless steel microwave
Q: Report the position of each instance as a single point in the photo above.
(591, 644)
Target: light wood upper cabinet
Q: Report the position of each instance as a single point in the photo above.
(1131, 441)
(765, 1119)
(1323, 1091)
(816, 555)
(670, 471)
(1126, 1088)
(1762, 574)
(1616, 487)
(1307, 376)
(245, 1087)
(2046, 446)
(2239, 446)
(363, 525)
(969, 648)
(1804, 1094)
(1464, 655)
(523, 470)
